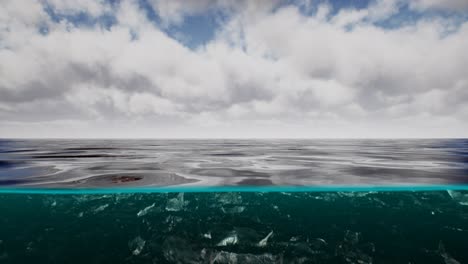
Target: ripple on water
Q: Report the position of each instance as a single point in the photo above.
(107, 163)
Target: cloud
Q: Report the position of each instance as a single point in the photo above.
(70, 7)
(451, 5)
(271, 70)
(175, 11)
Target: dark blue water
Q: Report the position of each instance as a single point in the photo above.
(234, 201)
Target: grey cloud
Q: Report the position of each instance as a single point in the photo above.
(451, 5)
(45, 110)
(246, 91)
(103, 76)
(54, 84)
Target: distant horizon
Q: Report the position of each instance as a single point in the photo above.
(230, 138)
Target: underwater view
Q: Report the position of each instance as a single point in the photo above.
(234, 201)
(235, 227)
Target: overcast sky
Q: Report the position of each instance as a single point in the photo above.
(233, 69)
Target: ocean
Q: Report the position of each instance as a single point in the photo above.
(234, 201)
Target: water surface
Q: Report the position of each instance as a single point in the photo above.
(212, 163)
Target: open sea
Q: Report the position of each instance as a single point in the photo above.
(234, 201)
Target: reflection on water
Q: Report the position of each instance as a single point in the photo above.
(133, 163)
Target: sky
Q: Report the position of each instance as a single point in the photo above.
(233, 69)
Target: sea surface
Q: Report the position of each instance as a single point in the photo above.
(234, 201)
(204, 163)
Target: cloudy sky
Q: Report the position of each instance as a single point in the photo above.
(233, 69)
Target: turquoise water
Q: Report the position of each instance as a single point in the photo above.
(235, 227)
(221, 189)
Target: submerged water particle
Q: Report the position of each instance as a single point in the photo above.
(145, 211)
(176, 204)
(207, 235)
(136, 245)
(101, 208)
(446, 256)
(224, 257)
(232, 239)
(264, 241)
(459, 197)
(233, 210)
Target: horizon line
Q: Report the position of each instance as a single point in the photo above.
(223, 138)
(214, 189)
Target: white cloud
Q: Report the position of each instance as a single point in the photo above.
(264, 69)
